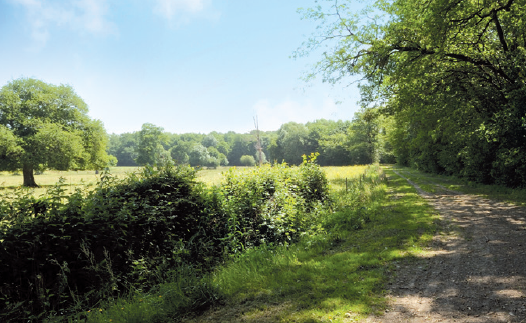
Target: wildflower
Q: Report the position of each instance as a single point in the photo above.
(100, 309)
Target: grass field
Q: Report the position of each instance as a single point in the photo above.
(10, 181)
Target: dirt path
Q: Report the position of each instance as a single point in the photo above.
(476, 270)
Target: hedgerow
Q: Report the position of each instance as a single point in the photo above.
(62, 253)
(58, 250)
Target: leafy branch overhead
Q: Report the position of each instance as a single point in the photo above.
(451, 71)
(388, 37)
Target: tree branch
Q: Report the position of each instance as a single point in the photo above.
(506, 7)
(457, 57)
(500, 32)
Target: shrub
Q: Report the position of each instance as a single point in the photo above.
(271, 204)
(61, 254)
(125, 231)
(247, 160)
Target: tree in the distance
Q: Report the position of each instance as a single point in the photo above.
(150, 148)
(46, 126)
(247, 160)
(124, 147)
(198, 155)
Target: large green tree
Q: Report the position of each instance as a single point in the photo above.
(452, 72)
(293, 138)
(46, 126)
(150, 150)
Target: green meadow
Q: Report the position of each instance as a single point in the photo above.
(11, 181)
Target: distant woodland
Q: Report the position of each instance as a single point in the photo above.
(360, 141)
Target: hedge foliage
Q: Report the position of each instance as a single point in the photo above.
(64, 253)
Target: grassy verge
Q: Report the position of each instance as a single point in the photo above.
(496, 192)
(336, 276)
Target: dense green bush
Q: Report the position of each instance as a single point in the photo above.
(64, 253)
(247, 160)
(57, 253)
(186, 293)
(272, 204)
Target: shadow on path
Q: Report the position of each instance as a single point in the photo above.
(476, 271)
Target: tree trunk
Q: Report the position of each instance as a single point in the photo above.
(29, 179)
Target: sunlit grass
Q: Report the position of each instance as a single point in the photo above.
(497, 192)
(50, 177)
(215, 176)
(339, 176)
(73, 179)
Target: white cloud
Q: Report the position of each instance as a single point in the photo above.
(93, 16)
(168, 8)
(79, 15)
(180, 11)
(272, 116)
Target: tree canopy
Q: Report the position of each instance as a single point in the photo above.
(46, 126)
(150, 150)
(451, 72)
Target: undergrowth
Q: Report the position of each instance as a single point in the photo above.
(275, 244)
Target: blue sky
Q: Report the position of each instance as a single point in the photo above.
(184, 65)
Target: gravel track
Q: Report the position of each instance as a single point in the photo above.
(475, 270)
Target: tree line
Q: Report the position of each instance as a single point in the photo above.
(360, 141)
(443, 89)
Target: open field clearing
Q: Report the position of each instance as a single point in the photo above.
(9, 181)
(215, 176)
(50, 177)
(339, 176)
